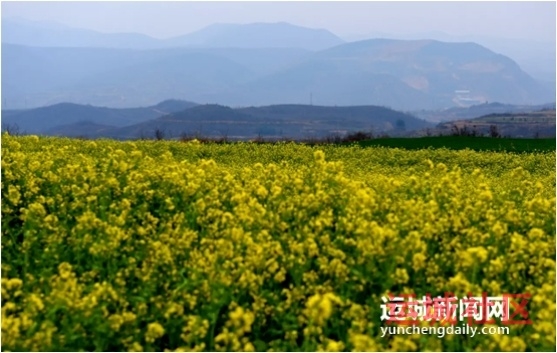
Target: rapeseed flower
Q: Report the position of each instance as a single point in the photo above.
(188, 246)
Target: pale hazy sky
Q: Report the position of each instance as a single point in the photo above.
(505, 19)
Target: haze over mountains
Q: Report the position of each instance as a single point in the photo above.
(253, 65)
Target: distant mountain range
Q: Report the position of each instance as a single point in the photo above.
(255, 64)
(219, 35)
(176, 118)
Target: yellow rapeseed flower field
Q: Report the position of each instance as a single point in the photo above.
(164, 246)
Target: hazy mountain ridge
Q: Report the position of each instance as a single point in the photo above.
(534, 56)
(437, 67)
(403, 74)
(43, 34)
(258, 35)
(254, 35)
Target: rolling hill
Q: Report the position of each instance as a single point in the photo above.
(280, 121)
(77, 120)
(476, 111)
(533, 124)
(174, 118)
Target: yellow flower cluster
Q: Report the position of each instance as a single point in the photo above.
(168, 246)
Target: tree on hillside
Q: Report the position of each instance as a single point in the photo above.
(494, 131)
(400, 125)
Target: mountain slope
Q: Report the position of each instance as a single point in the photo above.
(34, 77)
(173, 73)
(533, 55)
(402, 74)
(326, 83)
